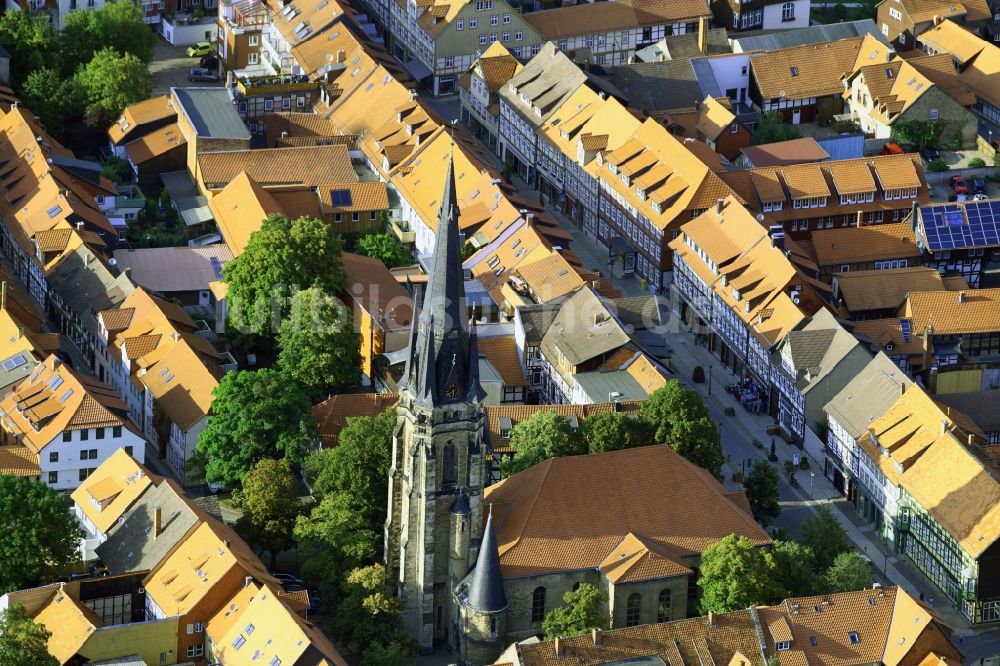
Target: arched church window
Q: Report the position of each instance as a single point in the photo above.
(538, 604)
(632, 608)
(663, 606)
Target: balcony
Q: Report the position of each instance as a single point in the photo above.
(403, 232)
(275, 85)
(228, 363)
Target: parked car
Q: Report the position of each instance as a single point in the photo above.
(892, 148)
(979, 197)
(199, 49)
(978, 185)
(215, 487)
(200, 74)
(209, 62)
(930, 154)
(959, 185)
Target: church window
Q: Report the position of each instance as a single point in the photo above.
(632, 608)
(493, 625)
(450, 467)
(663, 606)
(538, 604)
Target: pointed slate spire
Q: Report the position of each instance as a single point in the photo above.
(486, 593)
(444, 299)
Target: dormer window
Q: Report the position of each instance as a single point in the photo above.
(781, 646)
(625, 179)
(736, 294)
(640, 194)
(657, 208)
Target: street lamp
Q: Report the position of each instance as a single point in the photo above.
(812, 475)
(710, 380)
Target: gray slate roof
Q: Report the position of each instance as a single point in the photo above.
(817, 348)
(484, 584)
(211, 112)
(868, 395)
(812, 35)
(659, 86)
(131, 546)
(88, 287)
(577, 334)
(536, 319)
(546, 81)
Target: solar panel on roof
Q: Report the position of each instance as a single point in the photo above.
(904, 324)
(340, 197)
(954, 218)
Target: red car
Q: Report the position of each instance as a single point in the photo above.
(958, 184)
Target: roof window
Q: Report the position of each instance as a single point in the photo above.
(854, 638)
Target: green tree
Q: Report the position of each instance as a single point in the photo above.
(30, 40)
(52, 99)
(678, 417)
(582, 610)
(23, 642)
(256, 414)
(394, 653)
(761, 486)
(318, 346)
(358, 467)
(542, 436)
(367, 616)
(848, 572)
(384, 247)
(825, 536)
(772, 128)
(796, 567)
(281, 257)
(111, 81)
(270, 505)
(39, 531)
(614, 431)
(736, 575)
(117, 25)
(333, 539)
(919, 133)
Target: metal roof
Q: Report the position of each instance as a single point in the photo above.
(211, 112)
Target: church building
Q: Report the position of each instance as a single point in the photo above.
(477, 568)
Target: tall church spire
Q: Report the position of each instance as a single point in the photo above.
(444, 362)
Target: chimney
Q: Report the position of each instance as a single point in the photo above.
(156, 523)
(777, 234)
(719, 205)
(937, 19)
(711, 619)
(961, 297)
(79, 225)
(902, 388)
(972, 439)
(128, 272)
(944, 426)
(341, 55)
(703, 35)
(560, 653)
(247, 580)
(598, 637)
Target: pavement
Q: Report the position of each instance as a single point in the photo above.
(170, 67)
(814, 490)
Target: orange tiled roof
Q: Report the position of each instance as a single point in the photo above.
(849, 245)
(954, 312)
(501, 352)
(19, 461)
(332, 414)
(570, 513)
(812, 70)
(274, 167)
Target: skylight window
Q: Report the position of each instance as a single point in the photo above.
(65, 396)
(795, 71)
(14, 362)
(249, 629)
(55, 382)
(853, 636)
(239, 641)
(55, 210)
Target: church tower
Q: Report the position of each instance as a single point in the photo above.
(438, 464)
